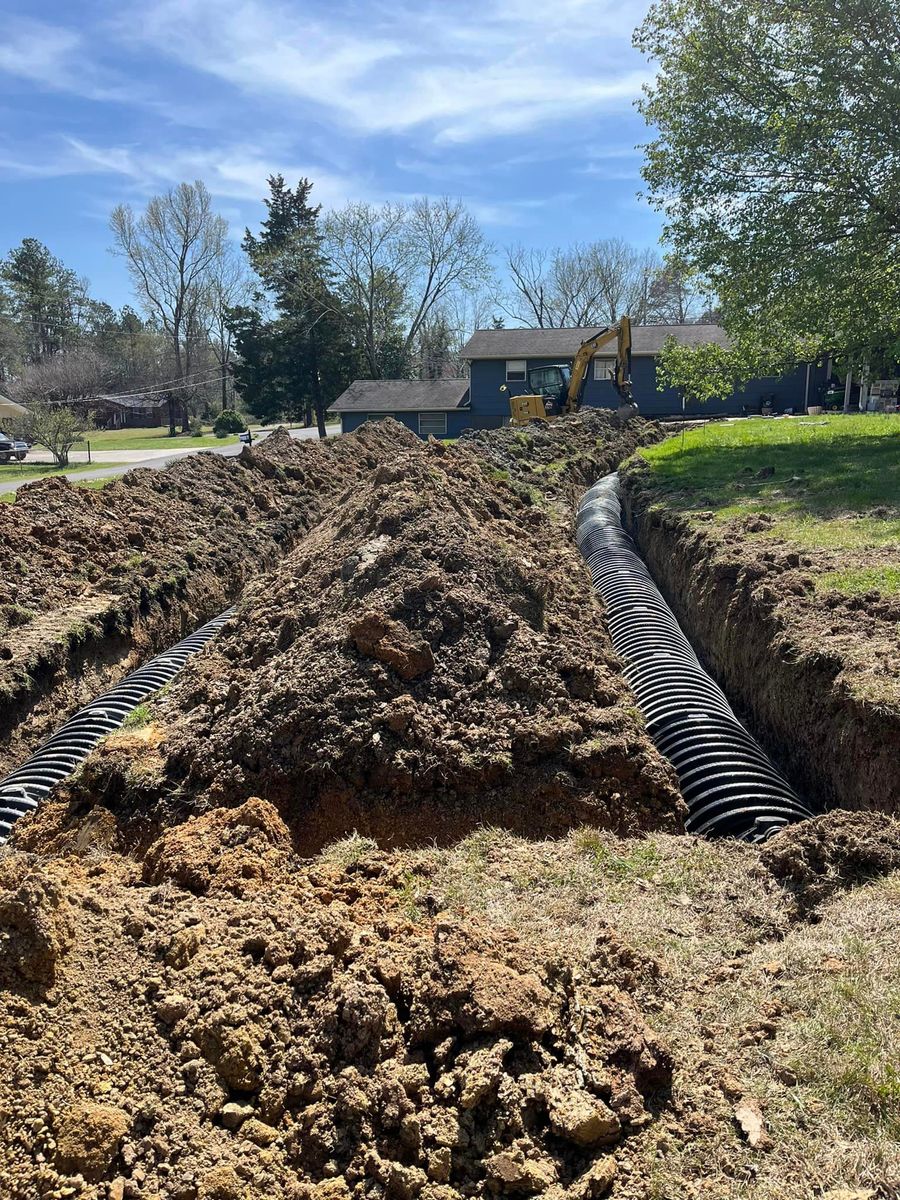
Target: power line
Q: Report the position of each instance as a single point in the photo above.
(162, 391)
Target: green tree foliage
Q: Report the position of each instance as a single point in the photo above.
(227, 421)
(704, 372)
(777, 165)
(303, 355)
(46, 302)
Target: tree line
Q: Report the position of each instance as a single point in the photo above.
(307, 303)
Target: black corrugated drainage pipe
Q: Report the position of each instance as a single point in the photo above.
(730, 786)
(23, 790)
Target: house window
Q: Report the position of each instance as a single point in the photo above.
(382, 416)
(515, 370)
(433, 423)
(604, 369)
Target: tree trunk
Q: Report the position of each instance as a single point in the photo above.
(185, 419)
(171, 405)
(317, 390)
(224, 385)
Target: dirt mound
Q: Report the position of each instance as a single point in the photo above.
(205, 511)
(87, 570)
(430, 658)
(564, 455)
(817, 858)
(313, 1037)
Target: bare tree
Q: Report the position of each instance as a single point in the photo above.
(399, 265)
(587, 285)
(56, 394)
(228, 286)
(675, 299)
(171, 251)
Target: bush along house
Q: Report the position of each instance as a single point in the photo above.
(498, 357)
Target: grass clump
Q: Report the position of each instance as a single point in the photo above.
(139, 716)
(858, 581)
(348, 851)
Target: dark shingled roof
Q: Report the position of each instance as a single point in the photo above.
(403, 395)
(563, 343)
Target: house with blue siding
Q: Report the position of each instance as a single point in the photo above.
(439, 407)
(505, 357)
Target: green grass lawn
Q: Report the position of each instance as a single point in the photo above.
(25, 471)
(152, 439)
(829, 483)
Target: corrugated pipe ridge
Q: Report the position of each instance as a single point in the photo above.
(731, 787)
(26, 787)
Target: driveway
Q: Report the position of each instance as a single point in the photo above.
(130, 460)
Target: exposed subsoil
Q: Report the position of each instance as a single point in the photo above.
(813, 673)
(190, 1011)
(97, 581)
(226, 1021)
(431, 657)
(560, 458)
(236, 1025)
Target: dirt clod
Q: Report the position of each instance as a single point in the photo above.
(88, 1137)
(817, 858)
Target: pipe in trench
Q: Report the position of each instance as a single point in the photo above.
(730, 785)
(23, 789)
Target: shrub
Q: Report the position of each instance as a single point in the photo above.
(227, 422)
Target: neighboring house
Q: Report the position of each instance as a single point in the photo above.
(10, 410)
(427, 406)
(505, 356)
(118, 412)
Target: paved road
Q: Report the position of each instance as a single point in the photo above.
(156, 459)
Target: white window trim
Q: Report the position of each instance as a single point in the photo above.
(604, 369)
(433, 432)
(519, 368)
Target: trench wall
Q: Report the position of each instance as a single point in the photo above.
(834, 747)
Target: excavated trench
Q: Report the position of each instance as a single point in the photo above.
(730, 785)
(777, 651)
(728, 782)
(22, 791)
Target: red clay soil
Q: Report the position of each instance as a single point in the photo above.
(429, 658)
(97, 580)
(246, 1027)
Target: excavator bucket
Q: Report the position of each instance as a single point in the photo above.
(523, 409)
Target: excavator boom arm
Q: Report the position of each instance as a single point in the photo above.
(621, 332)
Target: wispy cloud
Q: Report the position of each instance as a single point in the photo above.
(472, 71)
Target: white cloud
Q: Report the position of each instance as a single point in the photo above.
(38, 52)
(467, 71)
(235, 172)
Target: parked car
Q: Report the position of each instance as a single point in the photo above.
(11, 448)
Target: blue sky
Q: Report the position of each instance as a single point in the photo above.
(524, 108)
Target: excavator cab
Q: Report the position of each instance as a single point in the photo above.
(547, 391)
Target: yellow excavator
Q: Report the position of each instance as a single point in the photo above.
(558, 389)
